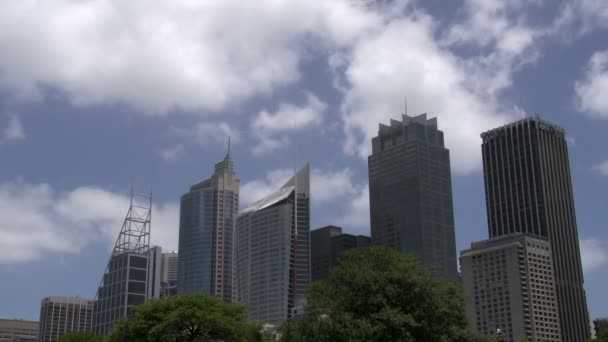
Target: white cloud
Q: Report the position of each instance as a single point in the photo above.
(327, 186)
(434, 80)
(167, 55)
(36, 220)
(170, 154)
(602, 168)
(257, 189)
(592, 89)
(355, 218)
(268, 145)
(13, 131)
(577, 17)
(207, 132)
(288, 117)
(593, 254)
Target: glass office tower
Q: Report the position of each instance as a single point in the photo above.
(529, 190)
(273, 252)
(206, 234)
(410, 192)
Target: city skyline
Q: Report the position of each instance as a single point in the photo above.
(76, 130)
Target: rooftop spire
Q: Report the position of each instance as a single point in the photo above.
(228, 153)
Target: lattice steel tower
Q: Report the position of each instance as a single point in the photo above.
(133, 272)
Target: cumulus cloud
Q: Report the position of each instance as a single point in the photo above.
(577, 17)
(355, 218)
(602, 168)
(592, 89)
(13, 131)
(207, 132)
(37, 220)
(288, 117)
(327, 186)
(593, 254)
(170, 154)
(434, 80)
(167, 55)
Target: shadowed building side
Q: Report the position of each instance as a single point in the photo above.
(410, 192)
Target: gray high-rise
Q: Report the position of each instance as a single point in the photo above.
(273, 252)
(528, 190)
(206, 234)
(410, 192)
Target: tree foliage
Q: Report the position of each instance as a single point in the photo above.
(80, 337)
(186, 318)
(378, 294)
(603, 337)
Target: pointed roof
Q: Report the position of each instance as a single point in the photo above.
(299, 183)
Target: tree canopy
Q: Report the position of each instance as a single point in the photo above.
(186, 318)
(379, 294)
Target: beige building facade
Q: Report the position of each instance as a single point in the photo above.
(13, 330)
(510, 290)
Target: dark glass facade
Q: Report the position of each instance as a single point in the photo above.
(206, 234)
(196, 242)
(327, 244)
(273, 252)
(411, 192)
(528, 190)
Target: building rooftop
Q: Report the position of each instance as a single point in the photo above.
(536, 118)
(407, 120)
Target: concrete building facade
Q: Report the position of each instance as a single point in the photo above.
(168, 274)
(509, 289)
(326, 246)
(18, 330)
(529, 190)
(206, 234)
(62, 315)
(410, 192)
(273, 252)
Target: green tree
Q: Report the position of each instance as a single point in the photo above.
(186, 318)
(603, 337)
(80, 337)
(379, 294)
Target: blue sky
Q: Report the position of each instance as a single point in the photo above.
(95, 95)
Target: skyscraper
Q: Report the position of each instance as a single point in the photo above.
(509, 288)
(132, 275)
(528, 190)
(273, 252)
(326, 246)
(410, 192)
(206, 234)
(168, 274)
(62, 315)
